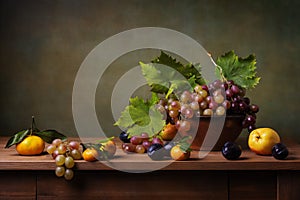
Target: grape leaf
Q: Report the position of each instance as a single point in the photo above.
(187, 71)
(156, 124)
(241, 70)
(17, 138)
(141, 116)
(165, 73)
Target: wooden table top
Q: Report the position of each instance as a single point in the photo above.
(10, 160)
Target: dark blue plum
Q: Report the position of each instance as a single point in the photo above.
(156, 151)
(231, 151)
(124, 137)
(280, 151)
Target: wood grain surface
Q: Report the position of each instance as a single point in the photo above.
(10, 160)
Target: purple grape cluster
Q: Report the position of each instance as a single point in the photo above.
(217, 98)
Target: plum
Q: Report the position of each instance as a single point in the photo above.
(280, 151)
(231, 151)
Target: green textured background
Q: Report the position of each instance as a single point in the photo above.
(43, 44)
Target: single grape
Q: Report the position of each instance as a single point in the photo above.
(254, 108)
(156, 140)
(198, 88)
(219, 99)
(208, 112)
(203, 93)
(188, 113)
(203, 105)
(220, 110)
(60, 171)
(235, 89)
(204, 87)
(175, 105)
(251, 120)
(185, 97)
(140, 149)
(243, 106)
(198, 98)
(208, 99)
(228, 93)
(226, 104)
(75, 153)
(128, 147)
(185, 126)
(173, 113)
(60, 160)
(62, 148)
(195, 105)
(144, 136)
(213, 105)
(51, 148)
(146, 144)
(217, 83)
(136, 140)
(69, 162)
(56, 142)
(74, 145)
(251, 128)
(69, 174)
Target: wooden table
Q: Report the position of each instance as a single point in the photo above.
(213, 177)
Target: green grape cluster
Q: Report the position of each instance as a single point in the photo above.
(65, 154)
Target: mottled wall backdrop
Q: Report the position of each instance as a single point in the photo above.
(43, 44)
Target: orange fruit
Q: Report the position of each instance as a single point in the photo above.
(178, 154)
(31, 145)
(110, 148)
(168, 132)
(90, 154)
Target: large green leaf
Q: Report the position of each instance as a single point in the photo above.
(165, 72)
(241, 70)
(141, 116)
(17, 138)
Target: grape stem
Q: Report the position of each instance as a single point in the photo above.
(219, 68)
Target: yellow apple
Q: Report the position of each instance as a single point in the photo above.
(261, 140)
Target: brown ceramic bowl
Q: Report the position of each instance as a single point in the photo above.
(232, 128)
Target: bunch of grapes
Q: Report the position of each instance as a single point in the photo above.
(217, 98)
(138, 144)
(64, 154)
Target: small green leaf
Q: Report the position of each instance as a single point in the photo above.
(50, 135)
(17, 138)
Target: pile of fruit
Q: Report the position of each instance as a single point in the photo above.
(32, 141)
(176, 103)
(161, 126)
